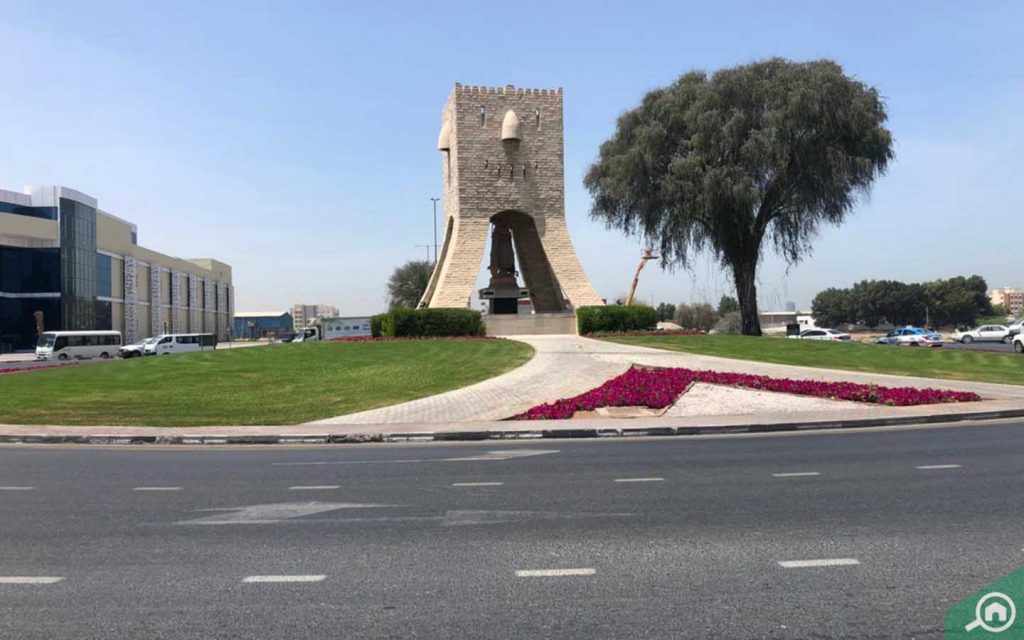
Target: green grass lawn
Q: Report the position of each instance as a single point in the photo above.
(277, 384)
(939, 362)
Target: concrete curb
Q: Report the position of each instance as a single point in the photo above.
(506, 434)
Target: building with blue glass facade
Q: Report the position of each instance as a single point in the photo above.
(67, 265)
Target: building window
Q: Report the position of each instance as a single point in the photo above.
(104, 276)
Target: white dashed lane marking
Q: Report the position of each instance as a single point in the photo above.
(796, 474)
(157, 489)
(639, 479)
(823, 562)
(298, 578)
(29, 579)
(16, 488)
(554, 573)
(477, 484)
(315, 487)
(929, 467)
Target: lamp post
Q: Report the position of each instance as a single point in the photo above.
(427, 246)
(434, 200)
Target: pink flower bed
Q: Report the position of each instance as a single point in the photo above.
(383, 339)
(44, 366)
(665, 332)
(659, 388)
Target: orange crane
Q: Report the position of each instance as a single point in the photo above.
(648, 255)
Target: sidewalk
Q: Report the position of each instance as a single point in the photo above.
(569, 365)
(562, 366)
(515, 430)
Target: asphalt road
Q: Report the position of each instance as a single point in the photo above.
(994, 347)
(654, 538)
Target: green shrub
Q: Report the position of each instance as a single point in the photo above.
(609, 318)
(417, 323)
(376, 325)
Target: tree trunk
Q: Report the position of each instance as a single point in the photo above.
(746, 294)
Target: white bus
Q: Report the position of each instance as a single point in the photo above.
(169, 343)
(65, 345)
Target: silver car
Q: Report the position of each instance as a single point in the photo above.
(984, 333)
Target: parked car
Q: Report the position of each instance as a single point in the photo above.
(136, 350)
(911, 336)
(822, 334)
(1018, 343)
(984, 333)
(285, 337)
(1016, 328)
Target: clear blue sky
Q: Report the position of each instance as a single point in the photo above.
(296, 141)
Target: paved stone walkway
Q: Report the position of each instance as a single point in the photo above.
(568, 365)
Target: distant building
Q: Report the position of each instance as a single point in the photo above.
(776, 321)
(304, 314)
(1011, 298)
(254, 325)
(65, 264)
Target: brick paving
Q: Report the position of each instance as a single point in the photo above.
(567, 365)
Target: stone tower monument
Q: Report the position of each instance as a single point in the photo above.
(504, 179)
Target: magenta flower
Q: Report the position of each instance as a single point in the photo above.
(660, 388)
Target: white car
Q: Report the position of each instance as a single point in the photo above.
(136, 350)
(1018, 343)
(822, 334)
(984, 333)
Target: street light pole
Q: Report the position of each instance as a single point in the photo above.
(427, 246)
(434, 200)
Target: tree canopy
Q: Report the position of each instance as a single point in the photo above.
(953, 301)
(727, 304)
(666, 310)
(408, 283)
(767, 151)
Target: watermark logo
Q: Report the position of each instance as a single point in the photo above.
(991, 612)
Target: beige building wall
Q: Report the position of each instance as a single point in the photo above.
(114, 238)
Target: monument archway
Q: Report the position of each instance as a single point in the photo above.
(503, 173)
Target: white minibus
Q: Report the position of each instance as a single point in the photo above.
(169, 343)
(66, 345)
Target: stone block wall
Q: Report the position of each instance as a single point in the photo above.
(485, 175)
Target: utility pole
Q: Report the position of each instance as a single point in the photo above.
(428, 250)
(434, 200)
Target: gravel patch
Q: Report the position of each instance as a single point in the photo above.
(714, 400)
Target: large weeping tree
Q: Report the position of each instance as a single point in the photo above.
(763, 152)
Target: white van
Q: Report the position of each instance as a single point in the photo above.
(169, 343)
(67, 345)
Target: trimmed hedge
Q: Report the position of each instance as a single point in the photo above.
(377, 324)
(613, 318)
(422, 323)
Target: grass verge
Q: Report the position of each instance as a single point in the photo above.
(949, 364)
(277, 384)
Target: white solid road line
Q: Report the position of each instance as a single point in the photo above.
(639, 479)
(548, 573)
(938, 466)
(796, 474)
(824, 562)
(16, 488)
(157, 489)
(477, 484)
(29, 579)
(299, 578)
(315, 487)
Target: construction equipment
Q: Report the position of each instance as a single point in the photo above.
(648, 255)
